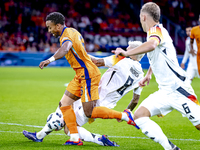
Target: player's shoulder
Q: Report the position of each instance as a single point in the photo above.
(194, 29)
(156, 29)
(132, 63)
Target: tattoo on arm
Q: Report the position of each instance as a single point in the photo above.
(98, 62)
(133, 102)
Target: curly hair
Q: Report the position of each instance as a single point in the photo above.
(56, 18)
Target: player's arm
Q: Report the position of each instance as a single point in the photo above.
(133, 102)
(147, 78)
(60, 53)
(97, 61)
(148, 46)
(191, 47)
(106, 61)
(186, 55)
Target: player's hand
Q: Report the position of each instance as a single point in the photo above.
(192, 51)
(182, 65)
(44, 64)
(145, 80)
(119, 51)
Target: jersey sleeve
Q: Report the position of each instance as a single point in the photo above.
(186, 54)
(192, 36)
(65, 39)
(66, 36)
(155, 33)
(137, 90)
(112, 60)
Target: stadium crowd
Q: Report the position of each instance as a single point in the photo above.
(22, 23)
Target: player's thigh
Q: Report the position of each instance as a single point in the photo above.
(74, 87)
(81, 118)
(190, 72)
(157, 103)
(186, 107)
(89, 89)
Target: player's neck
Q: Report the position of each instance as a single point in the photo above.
(152, 24)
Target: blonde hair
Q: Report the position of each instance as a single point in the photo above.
(152, 9)
(134, 44)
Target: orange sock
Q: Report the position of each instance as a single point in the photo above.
(70, 118)
(105, 113)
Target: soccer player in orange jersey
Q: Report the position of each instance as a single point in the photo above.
(86, 81)
(195, 34)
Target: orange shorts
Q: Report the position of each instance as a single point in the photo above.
(86, 89)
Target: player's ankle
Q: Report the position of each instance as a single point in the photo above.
(74, 137)
(124, 117)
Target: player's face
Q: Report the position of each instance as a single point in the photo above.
(142, 19)
(188, 31)
(53, 28)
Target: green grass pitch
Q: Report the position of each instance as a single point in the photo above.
(28, 95)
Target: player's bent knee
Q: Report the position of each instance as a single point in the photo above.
(88, 108)
(141, 112)
(60, 104)
(198, 127)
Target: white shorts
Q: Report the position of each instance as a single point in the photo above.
(192, 72)
(162, 103)
(81, 118)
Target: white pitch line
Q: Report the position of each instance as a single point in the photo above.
(125, 137)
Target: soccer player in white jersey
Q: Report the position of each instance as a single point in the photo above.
(192, 69)
(122, 76)
(175, 91)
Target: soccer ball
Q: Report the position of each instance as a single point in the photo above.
(55, 121)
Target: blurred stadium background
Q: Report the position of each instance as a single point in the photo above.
(28, 95)
(104, 24)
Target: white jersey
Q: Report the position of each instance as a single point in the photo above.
(163, 61)
(119, 80)
(175, 91)
(192, 59)
(122, 77)
(192, 69)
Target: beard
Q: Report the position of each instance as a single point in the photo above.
(56, 34)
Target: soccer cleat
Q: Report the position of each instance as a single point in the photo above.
(68, 142)
(32, 136)
(106, 142)
(131, 121)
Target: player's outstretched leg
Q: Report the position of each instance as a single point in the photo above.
(79, 142)
(106, 113)
(106, 142)
(32, 136)
(174, 147)
(130, 116)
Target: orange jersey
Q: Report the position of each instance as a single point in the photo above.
(77, 55)
(195, 34)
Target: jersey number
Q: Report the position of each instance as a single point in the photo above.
(186, 108)
(129, 82)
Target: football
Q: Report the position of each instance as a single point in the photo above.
(55, 121)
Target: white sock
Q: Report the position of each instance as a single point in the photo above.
(85, 135)
(153, 131)
(74, 137)
(45, 131)
(124, 117)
